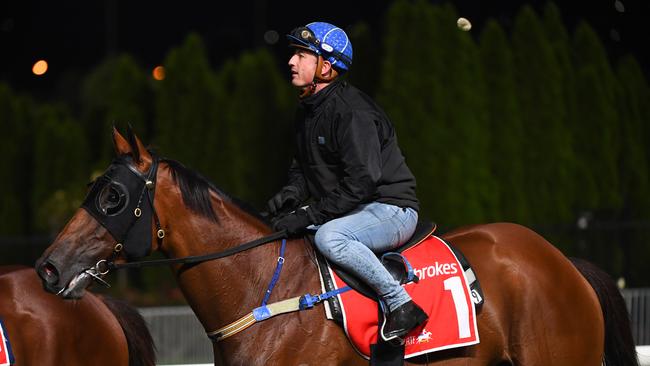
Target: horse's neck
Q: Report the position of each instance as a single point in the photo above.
(223, 290)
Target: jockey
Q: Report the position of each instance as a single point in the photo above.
(349, 170)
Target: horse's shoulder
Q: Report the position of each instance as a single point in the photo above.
(23, 284)
(11, 268)
(18, 275)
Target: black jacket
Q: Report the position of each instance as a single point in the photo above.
(347, 154)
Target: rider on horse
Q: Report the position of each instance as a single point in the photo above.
(350, 171)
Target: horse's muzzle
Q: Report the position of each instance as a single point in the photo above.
(49, 274)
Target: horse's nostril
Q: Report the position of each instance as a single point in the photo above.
(49, 272)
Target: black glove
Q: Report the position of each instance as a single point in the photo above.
(294, 223)
(286, 200)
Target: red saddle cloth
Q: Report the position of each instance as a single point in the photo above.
(6, 357)
(443, 292)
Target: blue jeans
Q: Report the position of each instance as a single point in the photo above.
(353, 242)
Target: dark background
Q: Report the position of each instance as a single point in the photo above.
(101, 54)
(77, 35)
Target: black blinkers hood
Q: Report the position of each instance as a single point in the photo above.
(121, 200)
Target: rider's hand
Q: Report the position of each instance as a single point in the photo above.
(286, 200)
(294, 223)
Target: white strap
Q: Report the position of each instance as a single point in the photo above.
(259, 314)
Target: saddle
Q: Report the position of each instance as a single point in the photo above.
(396, 262)
(422, 231)
(395, 266)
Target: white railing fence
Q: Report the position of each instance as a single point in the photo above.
(181, 339)
(178, 335)
(638, 305)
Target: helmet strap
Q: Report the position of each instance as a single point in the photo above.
(308, 90)
(318, 78)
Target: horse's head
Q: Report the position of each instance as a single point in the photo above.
(114, 219)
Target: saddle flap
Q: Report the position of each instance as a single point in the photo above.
(443, 291)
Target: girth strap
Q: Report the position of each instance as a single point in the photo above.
(258, 314)
(264, 312)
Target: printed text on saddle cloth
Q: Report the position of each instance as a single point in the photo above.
(442, 291)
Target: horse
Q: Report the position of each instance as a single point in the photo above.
(540, 308)
(44, 329)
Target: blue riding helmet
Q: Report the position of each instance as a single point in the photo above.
(326, 40)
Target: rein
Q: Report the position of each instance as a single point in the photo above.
(198, 258)
(104, 266)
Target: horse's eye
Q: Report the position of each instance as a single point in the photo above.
(112, 199)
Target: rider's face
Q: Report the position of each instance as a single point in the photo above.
(303, 66)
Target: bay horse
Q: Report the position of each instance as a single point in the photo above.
(539, 308)
(44, 329)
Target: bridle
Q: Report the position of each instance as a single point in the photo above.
(121, 200)
(129, 229)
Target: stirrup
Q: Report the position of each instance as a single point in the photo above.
(393, 340)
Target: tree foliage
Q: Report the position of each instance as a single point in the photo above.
(534, 125)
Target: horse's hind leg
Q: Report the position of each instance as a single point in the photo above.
(561, 324)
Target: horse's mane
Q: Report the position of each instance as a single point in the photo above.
(195, 190)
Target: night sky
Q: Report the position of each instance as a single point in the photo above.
(78, 35)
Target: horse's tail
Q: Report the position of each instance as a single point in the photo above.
(141, 347)
(619, 344)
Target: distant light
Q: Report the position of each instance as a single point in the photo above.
(619, 6)
(271, 37)
(159, 72)
(463, 24)
(40, 67)
(584, 220)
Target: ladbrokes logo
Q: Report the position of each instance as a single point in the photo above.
(436, 269)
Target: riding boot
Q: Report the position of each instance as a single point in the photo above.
(399, 322)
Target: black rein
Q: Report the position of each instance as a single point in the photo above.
(200, 258)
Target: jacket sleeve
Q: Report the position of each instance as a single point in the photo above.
(359, 147)
(297, 180)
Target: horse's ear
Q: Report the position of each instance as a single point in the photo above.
(140, 152)
(122, 147)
